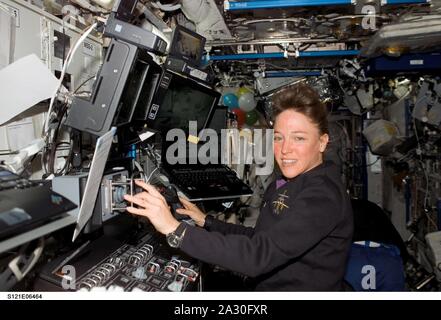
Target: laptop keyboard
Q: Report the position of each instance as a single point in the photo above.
(203, 177)
(208, 181)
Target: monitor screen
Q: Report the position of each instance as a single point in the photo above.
(187, 45)
(183, 101)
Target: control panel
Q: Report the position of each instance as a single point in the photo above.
(147, 265)
(142, 267)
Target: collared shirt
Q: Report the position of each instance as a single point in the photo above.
(301, 240)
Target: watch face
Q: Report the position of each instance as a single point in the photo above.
(173, 241)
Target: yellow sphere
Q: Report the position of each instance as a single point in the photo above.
(242, 91)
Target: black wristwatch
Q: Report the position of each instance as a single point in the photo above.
(174, 239)
(208, 222)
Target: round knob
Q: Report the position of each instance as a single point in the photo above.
(118, 194)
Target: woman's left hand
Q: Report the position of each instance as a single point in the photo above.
(153, 206)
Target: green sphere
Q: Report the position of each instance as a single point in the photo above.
(251, 117)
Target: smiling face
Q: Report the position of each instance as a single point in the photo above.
(298, 144)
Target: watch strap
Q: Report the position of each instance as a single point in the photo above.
(208, 222)
(179, 231)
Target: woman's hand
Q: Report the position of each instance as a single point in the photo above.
(192, 211)
(153, 206)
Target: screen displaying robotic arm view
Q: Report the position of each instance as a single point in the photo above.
(187, 45)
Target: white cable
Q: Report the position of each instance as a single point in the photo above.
(86, 5)
(166, 7)
(140, 169)
(69, 57)
(14, 267)
(138, 166)
(151, 174)
(9, 167)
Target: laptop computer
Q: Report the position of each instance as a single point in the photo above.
(207, 182)
(26, 204)
(204, 177)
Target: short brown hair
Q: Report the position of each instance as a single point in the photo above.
(301, 98)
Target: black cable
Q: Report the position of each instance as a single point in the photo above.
(371, 164)
(69, 155)
(64, 45)
(65, 168)
(48, 159)
(28, 164)
(8, 153)
(83, 83)
(49, 153)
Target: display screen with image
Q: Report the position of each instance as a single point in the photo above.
(187, 45)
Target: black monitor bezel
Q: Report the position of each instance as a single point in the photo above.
(160, 92)
(176, 53)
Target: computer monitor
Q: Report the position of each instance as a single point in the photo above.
(179, 100)
(219, 119)
(187, 45)
(123, 82)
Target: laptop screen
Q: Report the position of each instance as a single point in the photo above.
(206, 151)
(181, 100)
(203, 153)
